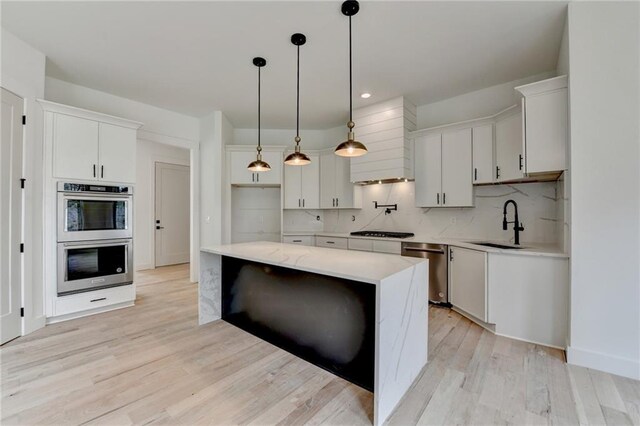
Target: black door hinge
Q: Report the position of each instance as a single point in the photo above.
(24, 120)
(21, 247)
(22, 181)
(22, 312)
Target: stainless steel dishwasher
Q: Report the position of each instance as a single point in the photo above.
(438, 269)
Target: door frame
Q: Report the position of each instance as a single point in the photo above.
(155, 169)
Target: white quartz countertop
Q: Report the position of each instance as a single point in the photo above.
(349, 264)
(529, 249)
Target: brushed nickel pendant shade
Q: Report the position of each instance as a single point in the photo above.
(298, 158)
(259, 165)
(350, 147)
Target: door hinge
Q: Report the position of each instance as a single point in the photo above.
(22, 181)
(22, 312)
(24, 120)
(21, 247)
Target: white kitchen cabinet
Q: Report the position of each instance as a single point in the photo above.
(117, 153)
(468, 281)
(545, 121)
(240, 175)
(443, 169)
(509, 154)
(360, 244)
(75, 148)
(483, 159)
(301, 240)
(92, 150)
(336, 189)
(302, 185)
(332, 242)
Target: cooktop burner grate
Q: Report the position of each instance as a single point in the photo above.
(383, 234)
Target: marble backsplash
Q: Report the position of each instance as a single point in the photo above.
(539, 208)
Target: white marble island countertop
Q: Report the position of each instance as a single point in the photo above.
(366, 267)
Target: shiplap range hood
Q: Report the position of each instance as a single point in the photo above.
(384, 128)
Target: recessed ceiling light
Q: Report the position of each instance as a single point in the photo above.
(365, 95)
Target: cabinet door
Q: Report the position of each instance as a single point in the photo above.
(327, 180)
(117, 154)
(310, 183)
(344, 187)
(468, 279)
(509, 156)
(483, 168)
(75, 147)
(274, 176)
(457, 187)
(238, 165)
(428, 170)
(292, 186)
(546, 131)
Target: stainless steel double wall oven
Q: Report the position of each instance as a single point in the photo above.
(95, 237)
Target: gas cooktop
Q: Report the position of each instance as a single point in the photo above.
(383, 234)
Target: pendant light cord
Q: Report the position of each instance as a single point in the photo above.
(259, 147)
(350, 76)
(298, 98)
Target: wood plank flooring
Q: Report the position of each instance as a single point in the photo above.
(152, 364)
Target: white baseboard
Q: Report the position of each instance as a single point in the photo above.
(145, 266)
(620, 366)
(74, 315)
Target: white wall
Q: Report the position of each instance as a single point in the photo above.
(23, 69)
(148, 153)
(311, 139)
(605, 186)
(477, 104)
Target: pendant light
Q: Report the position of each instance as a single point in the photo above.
(298, 158)
(350, 147)
(259, 165)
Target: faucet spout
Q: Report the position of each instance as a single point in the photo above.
(517, 226)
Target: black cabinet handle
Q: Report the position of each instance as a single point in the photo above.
(297, 241)
(298, 202)
(475, 174)
(497, 172)
(159, 227)
(450, 254)
(97, 300)
(330, 242)
(337, 202)
(520, 162)
(94, 170)
(101, 171)
(303, 202)
(333, 201)
(444, 198)
(257, 177)
(438, 198)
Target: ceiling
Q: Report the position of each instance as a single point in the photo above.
(196, 57)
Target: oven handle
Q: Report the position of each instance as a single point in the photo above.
(84, 244)
(424, 250)
(89, 196)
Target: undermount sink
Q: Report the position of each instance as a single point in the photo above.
(496, 245)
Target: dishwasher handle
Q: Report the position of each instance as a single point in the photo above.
(424, 250)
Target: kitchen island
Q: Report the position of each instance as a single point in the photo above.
(362, 316)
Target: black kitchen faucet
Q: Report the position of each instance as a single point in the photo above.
(517, 226)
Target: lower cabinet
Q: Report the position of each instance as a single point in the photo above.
(301, 240)
(468, 281)
(332, 242)
(77, 303)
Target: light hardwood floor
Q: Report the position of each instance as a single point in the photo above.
(153, 364)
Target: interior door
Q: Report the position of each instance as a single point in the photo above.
(457, 187)
(327, 180)
(117, 153)
(172, 214)
(292, 186)
(310, 183)
(10, 216)
(75, 146)
(428, 170)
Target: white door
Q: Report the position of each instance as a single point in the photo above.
(457, 187)
(483, 168)
(327, 180)
(10, 216)
(428, 170)
(75, 145)
(292, 186)
(172, 214)
(310, 187)
(468, 280)
(509, 148)
(117, 153)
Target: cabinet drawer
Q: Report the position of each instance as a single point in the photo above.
(331, 242)
(360, 244)
(393, 247)
(302, 240)
(94, 299)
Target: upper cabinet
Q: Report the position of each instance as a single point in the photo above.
(384, 129)
(483, 154)
(336, 189)
(240, 159)
(90, 146)
(509, 154)
(302, 185)
(545, 121)
(444, 169)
